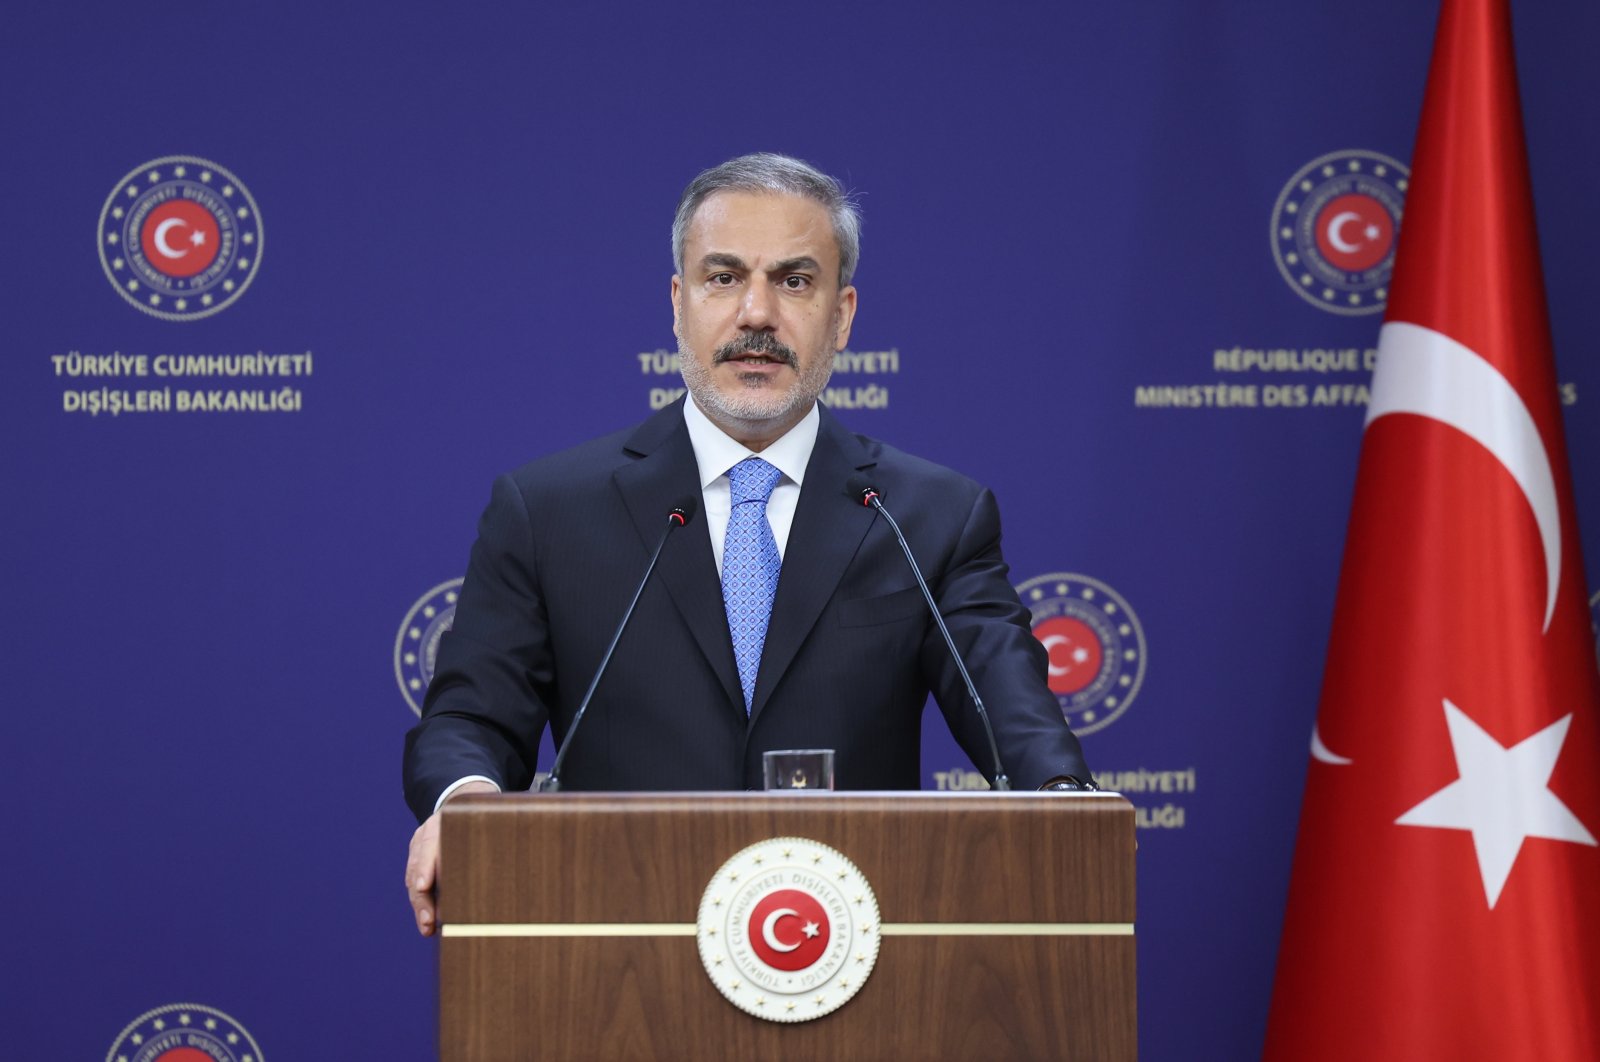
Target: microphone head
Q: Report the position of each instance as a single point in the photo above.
(859, 488)
(684, 511)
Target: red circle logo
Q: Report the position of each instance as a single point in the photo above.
(184, 1032)
(788, 930)
(1075, 653)
(180, 238)
(1354, 232)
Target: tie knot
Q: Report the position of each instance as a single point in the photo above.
(752, 480)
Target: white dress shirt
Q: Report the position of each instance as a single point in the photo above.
(715, 452)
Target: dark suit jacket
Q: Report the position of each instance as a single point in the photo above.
(850, 657)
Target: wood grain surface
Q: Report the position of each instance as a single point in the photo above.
(647, 858)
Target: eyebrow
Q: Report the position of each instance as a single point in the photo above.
(724, 260)
(794, 265)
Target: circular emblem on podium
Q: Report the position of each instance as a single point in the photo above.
(1095, 644)
(184, 1032)
(416, 647)
(1334, 229)
(788, 930)
(180, 238)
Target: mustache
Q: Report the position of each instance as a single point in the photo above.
(756, 343)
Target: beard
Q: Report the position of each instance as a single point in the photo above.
(759, 399)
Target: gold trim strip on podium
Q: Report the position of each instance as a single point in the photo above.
(568, 929)
(687, 929)
(1007, 929)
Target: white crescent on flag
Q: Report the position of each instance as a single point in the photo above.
(1427, 373)
(1323, 753)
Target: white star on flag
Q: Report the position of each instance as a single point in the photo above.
(1502, 796)
(812, 929)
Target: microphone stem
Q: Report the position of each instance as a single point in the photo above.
(552, 781)
(1001, 782)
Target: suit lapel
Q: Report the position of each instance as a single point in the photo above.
(827, 531)
(662, 474)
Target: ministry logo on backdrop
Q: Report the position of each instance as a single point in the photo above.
(416, 647)
(180, 238)
(1334, 230)
(184, 1032)
(1096, 646)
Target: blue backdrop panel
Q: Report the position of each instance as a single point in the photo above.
(1073, 219)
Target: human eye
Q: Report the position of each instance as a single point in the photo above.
(796, 282)
(722, 280)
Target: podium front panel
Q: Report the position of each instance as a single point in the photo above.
(568, 926)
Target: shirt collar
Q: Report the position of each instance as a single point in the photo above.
(716, 452)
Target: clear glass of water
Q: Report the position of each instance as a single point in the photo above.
(798, 768)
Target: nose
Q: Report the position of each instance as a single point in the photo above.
(756, 309)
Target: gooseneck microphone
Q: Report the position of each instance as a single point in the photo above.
(678, 516)
(869, 496)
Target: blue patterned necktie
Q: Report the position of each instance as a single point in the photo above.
(750, 565)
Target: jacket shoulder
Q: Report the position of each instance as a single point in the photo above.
(897, 470)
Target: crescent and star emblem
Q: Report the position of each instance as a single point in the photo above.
(810, 929)
(788, 929)
(1079, 655)
(1336, 226)
(196, 238)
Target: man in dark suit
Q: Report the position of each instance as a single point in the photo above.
(783, 615)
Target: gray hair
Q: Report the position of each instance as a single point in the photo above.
(768, 172)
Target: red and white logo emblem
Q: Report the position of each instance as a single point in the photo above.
(793, 930)
(1095, 644)
(180, 238)
(788, 930)
(184, 1032)
(1334, 228)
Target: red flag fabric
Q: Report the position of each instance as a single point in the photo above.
(1445, 895)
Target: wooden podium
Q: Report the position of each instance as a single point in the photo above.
(569, 926)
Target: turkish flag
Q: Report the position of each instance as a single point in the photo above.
(1445, 896)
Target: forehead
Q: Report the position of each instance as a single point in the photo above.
(761, 226)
